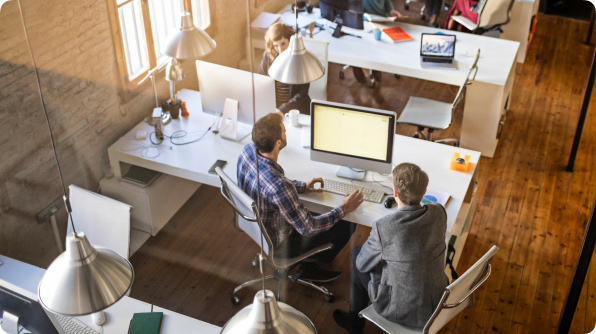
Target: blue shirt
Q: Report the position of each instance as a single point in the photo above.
(377, 7)
(281, 211)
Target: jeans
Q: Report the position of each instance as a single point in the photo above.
(358, 285)
(433, 7)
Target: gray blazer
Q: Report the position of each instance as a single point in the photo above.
(405, 255)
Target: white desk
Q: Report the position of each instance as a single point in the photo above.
(485, 100)
(193, 161)
(24, 279)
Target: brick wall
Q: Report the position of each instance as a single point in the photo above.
(73, 50)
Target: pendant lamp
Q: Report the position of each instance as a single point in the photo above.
(190, 42)
(266, 315)
(83, 279)
(296, 65)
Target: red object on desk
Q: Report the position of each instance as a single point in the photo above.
(184, 111)
(397, 34)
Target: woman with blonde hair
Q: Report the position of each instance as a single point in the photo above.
(287, 97)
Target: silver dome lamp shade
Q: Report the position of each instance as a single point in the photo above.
(267, 316)
(84, 279)
(296, 65)
(190, 42)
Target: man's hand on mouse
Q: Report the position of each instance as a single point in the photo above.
(352, 201)
(310, 185)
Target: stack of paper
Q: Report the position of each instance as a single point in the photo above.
(432, 196)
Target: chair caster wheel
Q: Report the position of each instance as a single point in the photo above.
(330, 298)
(372, 84)
(341, 75)
(235, 300)
(415, 135)
(407, 7)
(255, 262)
(397, 76)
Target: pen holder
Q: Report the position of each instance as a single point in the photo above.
(172, 107)
(454, 164)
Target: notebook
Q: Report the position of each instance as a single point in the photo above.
(437, 50)
(397, 34)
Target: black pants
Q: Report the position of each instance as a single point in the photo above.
(338, 235)
(358, 285)
(433, 7)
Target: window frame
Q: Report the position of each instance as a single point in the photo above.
(131, 88)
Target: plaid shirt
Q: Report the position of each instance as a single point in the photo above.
(281, 211)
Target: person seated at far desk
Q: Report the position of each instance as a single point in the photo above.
(466, 8)
(380, 8)
(292, 228)
(287, 97)
(401, 267)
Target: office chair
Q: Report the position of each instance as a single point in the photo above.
(247, 220)
(493, 15)
(457, 296)
(435, 115)
(318, 47)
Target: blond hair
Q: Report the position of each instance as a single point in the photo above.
(275, 33)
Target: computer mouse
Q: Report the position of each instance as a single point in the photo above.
(389, 202)
(99, 318)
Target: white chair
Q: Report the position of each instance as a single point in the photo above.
(247, 220)
(435, 115)
(457, 296)
(105, 221)
(318, 47)
(491, 16)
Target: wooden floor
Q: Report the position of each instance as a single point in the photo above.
(526, 204)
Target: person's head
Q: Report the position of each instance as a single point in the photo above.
(409, 183)
(277, 39)
(269, 133)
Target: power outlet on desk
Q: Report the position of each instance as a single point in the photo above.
(50, 210)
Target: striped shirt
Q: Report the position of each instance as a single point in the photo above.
(280, 209)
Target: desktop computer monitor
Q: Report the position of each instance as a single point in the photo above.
(353, 137)
(29, 312)
(217, 83)
(345, 12)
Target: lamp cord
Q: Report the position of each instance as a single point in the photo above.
(45, 112)
(254, 118)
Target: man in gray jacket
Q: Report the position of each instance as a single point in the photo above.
(401, 267)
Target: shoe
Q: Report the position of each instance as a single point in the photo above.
(432, 25)
(358, 74)
(315, 273)
(350, 322)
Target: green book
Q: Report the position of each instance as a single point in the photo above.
(145, 323)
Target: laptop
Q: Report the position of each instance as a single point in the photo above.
(437, 51)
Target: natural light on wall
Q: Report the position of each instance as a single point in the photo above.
(164, 19)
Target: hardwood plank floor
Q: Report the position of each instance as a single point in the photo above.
(528, 205)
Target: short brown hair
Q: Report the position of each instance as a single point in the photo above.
(275, 33)
(266, 132)
(410, 182)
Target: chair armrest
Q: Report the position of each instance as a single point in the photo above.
(284, 263)
(488, 270)
(465, 22)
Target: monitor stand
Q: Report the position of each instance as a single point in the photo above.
(350, 173)
(229, 126)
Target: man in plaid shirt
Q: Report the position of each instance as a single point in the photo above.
(292, 227)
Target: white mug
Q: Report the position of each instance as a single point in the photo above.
(293, 115)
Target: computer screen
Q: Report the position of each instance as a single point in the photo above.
(30, 313)
(352, 136)
(216, 83)
(437, 45)
(346, 12)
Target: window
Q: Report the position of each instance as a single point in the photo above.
(141, 29)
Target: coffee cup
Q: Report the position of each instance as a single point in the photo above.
(293, 116)
(377, 34)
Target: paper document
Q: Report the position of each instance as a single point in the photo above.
(265, 20)
(378, 18)
(432, 196)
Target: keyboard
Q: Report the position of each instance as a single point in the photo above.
(336, 187)
(72, 326)
(439, 60)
